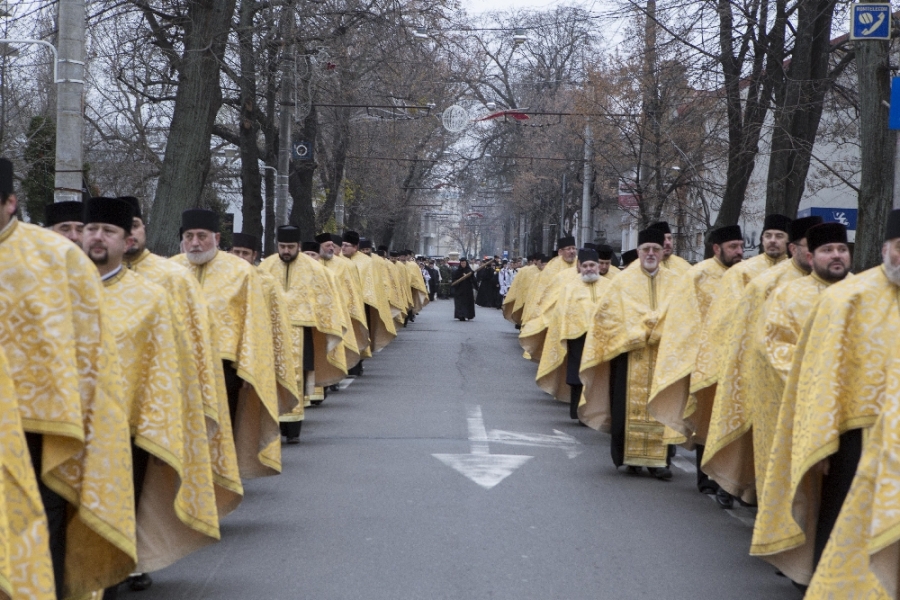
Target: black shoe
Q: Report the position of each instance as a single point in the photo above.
(632, 470)
(317, 402)
(333, 388)
(661, 473)
(724, 499)
(139, 582)
(708, 487)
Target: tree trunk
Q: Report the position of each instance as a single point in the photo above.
(797, 116)
(877, 150)
(333, 175)
(301, 180)
(251, 180)
(745, 124)
(197, 102)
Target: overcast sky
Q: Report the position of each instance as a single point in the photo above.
(477, 6)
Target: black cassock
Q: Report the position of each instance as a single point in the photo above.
(464, 294)
(488, 289)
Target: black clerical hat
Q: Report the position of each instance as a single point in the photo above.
(893, 225)
(590, 245)
(825, 233)
(661, 226)
(628, 257)
(135, 204)
(351, 237)
(604, 252)
(382, 247)
(6, 176)
(288, 234)
(779, 222)
(728, 233)
(800, 226)
(587, 254)
(565, 242)
(309, 247)
(363, 242)
(245, 240)
(651, 236)
(393, 253)
(336, 239)
(322, 238)
(199, 218)
(110, 211)
(63, 212)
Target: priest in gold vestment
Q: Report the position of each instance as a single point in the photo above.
(835, 390)
(862, 557)
(416, 281)
(199, 362)
(243, 337)
(747, 386)
(543, 295)
(569, 322)
(514, 301)
(349, 289)
(75, 427)
(26, 570)
(379, 319)
(246, 246)
(619, 357)
(670, 399)
(716, 329)
(316, 318)
(173, 487)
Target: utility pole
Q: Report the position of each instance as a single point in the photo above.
(284, 124)
(586, 225)
(69, 102)
(562, 208)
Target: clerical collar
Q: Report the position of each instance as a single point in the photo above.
(111, 274)
(648, 273)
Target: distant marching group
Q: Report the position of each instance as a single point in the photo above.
(137, 392)
(782, 371)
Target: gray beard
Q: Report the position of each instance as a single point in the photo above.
(201, 258)
(589, 277)
(892, 272)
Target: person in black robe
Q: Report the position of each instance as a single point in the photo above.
(464, 291)
(488, 287)
(433, 283)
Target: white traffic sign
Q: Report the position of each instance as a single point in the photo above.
(870, 21)
(455, 118)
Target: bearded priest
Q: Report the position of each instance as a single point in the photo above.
(619, 358)
(243, 337)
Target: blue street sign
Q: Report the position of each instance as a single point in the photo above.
(894, 113)
(301, 151)
(870, 21)
(845, 216)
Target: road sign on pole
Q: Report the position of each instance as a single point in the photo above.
(870, 21)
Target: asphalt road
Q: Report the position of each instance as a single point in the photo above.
(365, 510)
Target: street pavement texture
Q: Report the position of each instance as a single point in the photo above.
(365, 510)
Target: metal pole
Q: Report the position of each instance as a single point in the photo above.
(339, 207)
(562, 209)
(69, 102)
(586, 232)
(284, 124)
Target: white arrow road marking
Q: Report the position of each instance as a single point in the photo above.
(560, 440)
(482, 467)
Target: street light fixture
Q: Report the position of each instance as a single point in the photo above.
(421, 33)
(519, 36)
